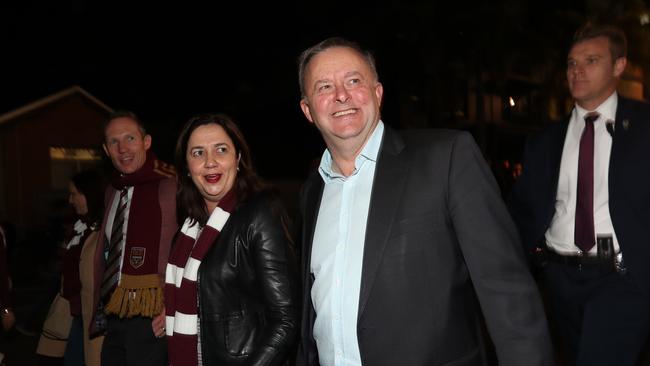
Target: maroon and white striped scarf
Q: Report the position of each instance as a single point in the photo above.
(180, 282)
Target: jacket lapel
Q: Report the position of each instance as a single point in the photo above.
(311, 198)
(312, 195)
(555, 153)
(390, 175)
(621, 140)
(623, 121)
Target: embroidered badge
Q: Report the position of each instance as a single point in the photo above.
(136, 257)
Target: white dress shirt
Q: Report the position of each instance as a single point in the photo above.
(560, 234)
(337, 254)
(111, 219)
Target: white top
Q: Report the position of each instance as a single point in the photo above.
(337, 255)
(560, 234)
(111, 219)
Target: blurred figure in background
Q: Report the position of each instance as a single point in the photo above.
(85, 196)
(6, 312)
(91, 186)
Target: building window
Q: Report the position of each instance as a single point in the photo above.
(66, 162)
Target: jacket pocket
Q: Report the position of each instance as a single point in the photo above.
(470, 358)
(414, 224)
(241, 333)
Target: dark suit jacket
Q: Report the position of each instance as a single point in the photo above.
(532, 202)
(437, 230)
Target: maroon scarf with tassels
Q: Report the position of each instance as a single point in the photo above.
(180, 282)
(139, 292)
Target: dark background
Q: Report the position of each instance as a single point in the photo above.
(168, 62)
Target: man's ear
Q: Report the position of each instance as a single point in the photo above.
(305, 109)
(619, 66)
(147, 142)
(106, 150)
(379, 92)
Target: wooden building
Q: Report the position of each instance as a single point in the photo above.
(42, 144)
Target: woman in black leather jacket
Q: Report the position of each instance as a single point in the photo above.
(230, 290)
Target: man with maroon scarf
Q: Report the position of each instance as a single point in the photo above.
(136, 235)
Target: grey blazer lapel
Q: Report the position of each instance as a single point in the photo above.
(313, 195)
(388, 185)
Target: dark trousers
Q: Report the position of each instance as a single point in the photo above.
(131, 342)
(74, 348)
(601, 316)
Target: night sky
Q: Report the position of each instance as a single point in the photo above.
(170, 62)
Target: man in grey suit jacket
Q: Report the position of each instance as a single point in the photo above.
(401, 234)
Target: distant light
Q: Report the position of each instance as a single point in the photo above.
(67, 153)
(511, 101)
(644, 18)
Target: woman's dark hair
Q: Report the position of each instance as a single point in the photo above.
(189, 201)
(90, 183)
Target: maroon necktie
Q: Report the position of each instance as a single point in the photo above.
(584, 228)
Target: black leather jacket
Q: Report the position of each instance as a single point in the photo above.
(247, 305)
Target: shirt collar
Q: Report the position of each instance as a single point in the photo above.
(607, 109)
(369, 153)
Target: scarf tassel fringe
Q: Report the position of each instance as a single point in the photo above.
(136, 296)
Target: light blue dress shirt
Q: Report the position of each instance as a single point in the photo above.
(337, 254)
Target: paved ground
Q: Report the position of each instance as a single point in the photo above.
(35, 273)
(22, 351)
